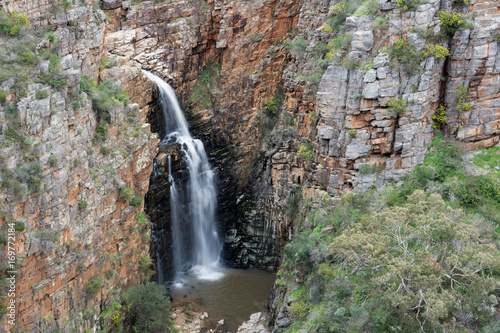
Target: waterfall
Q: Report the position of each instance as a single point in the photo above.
(193, 208)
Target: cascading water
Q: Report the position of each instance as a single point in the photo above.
(194, 232)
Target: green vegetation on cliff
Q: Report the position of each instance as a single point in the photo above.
(423, 256)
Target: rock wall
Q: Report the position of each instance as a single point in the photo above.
(83, 243)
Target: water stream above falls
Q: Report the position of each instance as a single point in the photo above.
(189, 230)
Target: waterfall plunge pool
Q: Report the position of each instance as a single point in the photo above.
(236, 295)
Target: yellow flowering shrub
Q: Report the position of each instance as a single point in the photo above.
(326, 28)
(450, 23)
(340, 9)
(439, 117)
(13, 23)
(332, 53)
(408, 5)
(437, 51)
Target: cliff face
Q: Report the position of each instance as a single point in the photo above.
(83, 242)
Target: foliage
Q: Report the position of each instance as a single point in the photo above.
(273, 106)
(126, 193)
(439, 117)
(461, 2)
(41, 94)
(408, 5)
(146, 309)
(340, 9)
(352, 133)
(436, 51)
(489, 158)
(206, 89)
(105, 96)
(450, 23)
(306, 152)
(12, 24)
(461, 99)
(397, 106)
(298, 47)
(82, 205)
(369, 7)
(93, 286)
(54, 77)
(136, 201)
(401, 260)
(407, 54)
(427, 260)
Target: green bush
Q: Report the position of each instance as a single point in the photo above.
(408, 5)
(147, 309)
(397, 106)
(19, 226)
(407, 54)
(273, 106)
(41, 94)
(93, 286)
(101, 131)
(104, 96)
(126, 193)
(205, 92)
(298, 47)
(53, 160)
(3, 95)
(306, 152)
(82, 204)
(12, 24)
(136, 201)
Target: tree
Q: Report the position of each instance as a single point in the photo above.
(431, 267)
(147, 309)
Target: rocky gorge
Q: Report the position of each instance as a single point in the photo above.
(298, 104)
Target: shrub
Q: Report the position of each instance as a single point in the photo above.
(305, 152)
(105, 95)
(206, 89)
(101, 131)
(437, 51)
(352, 133)
(407, 54)
(298, 47)
(126, 193)
(42, 94)
(19, 226)
(450, 23)
(408, 5)
(93, 286)
(460, 2)
(53, 160)
(461, 99)
(145, 307)
(439, 117)
(397, 106)
(82, 204)
(136, 201)
(273, 106)
(54, 77)
(3, 95)
(109, 274)
(13, 23)
(76, 106)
